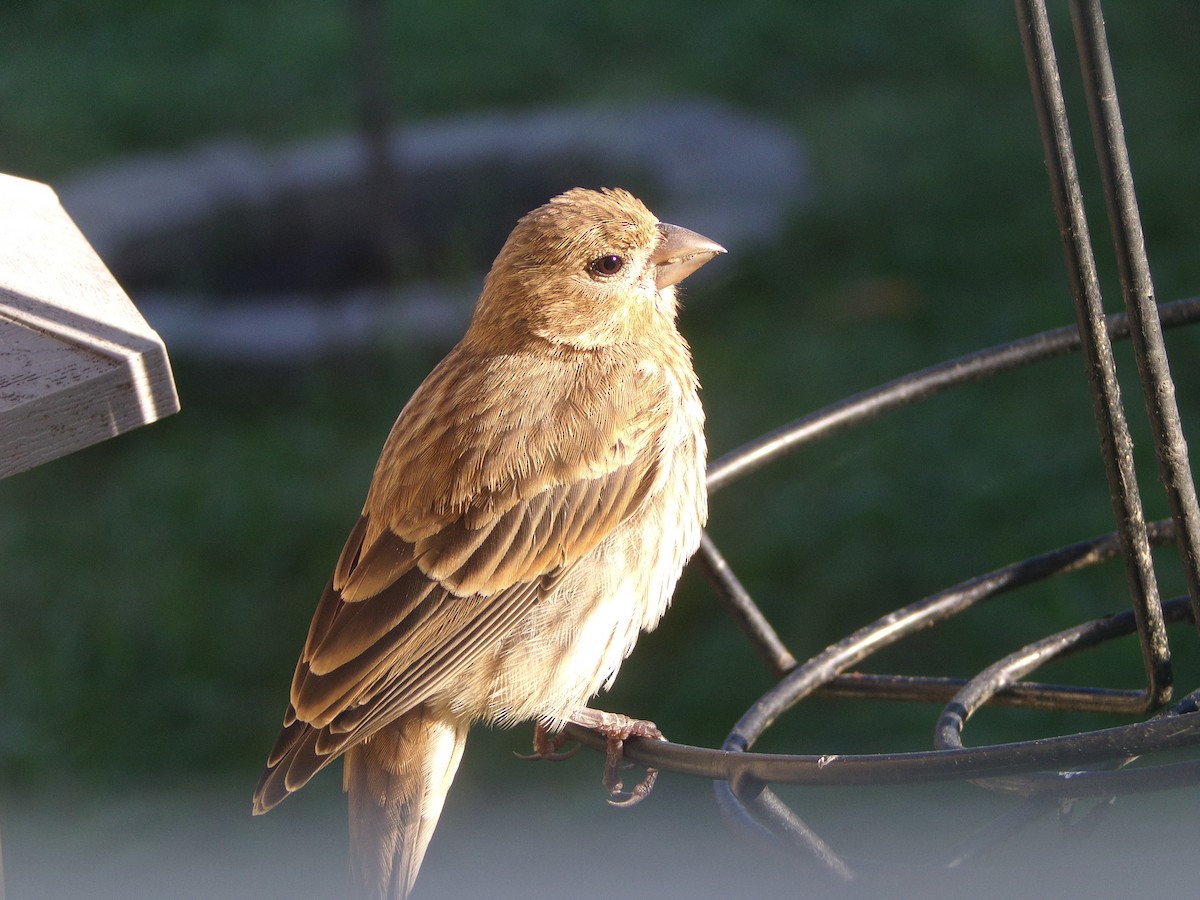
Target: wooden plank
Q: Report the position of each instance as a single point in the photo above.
(78, 363)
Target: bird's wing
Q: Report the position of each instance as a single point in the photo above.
(424, 585)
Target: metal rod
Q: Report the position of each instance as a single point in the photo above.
(921, 385)
(763, 637)
(779, 818)
(1043, 754)
(1023, 695)
(1137, 287)
(1115, 442)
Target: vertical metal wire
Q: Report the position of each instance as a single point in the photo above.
(763, 636)
(1116, 443)
(1108, 133)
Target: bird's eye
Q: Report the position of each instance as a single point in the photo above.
(606, 266)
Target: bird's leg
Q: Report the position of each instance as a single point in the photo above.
(618, 729)
(548, 746)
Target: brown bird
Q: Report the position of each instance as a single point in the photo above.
(529, 516)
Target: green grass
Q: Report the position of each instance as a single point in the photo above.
(157, 588)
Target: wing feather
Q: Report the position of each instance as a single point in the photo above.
(432, 575)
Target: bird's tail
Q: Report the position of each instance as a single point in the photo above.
(397, 781)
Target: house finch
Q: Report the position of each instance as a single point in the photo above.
(529, 515)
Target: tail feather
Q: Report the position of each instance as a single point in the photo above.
(397, 781)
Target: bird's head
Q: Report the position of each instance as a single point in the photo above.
(588, 269)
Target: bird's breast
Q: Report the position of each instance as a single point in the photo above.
(572, 643)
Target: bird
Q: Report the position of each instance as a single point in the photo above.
(529, 516)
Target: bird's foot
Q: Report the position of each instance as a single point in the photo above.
(618, 729)
(548, 746)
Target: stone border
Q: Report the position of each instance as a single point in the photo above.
(719, 171)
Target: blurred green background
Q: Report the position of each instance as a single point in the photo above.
(157, 588)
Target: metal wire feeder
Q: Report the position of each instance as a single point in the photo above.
(1047, 771)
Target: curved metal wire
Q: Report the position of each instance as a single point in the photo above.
(922, 385)
(749, 772)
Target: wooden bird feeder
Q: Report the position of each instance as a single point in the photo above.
(78, 363)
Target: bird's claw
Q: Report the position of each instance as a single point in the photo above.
(548, 746)
(617, 796)
(618, 729)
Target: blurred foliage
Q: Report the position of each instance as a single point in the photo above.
(158, 587)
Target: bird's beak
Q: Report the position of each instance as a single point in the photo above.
(680, 253)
